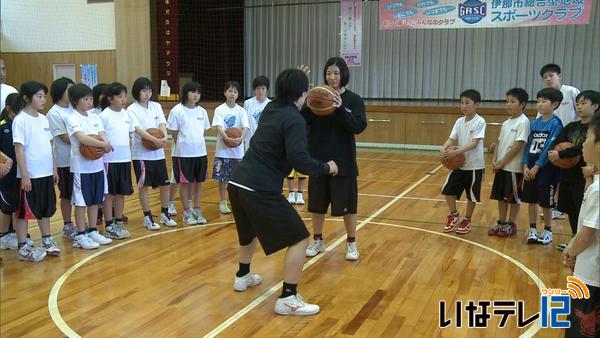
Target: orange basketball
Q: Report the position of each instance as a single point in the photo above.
(91, 152)
(320, 100)
(455, 162)
(154, 132)
(567, 162)
(232, 133)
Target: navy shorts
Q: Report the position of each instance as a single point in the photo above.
(89, 189)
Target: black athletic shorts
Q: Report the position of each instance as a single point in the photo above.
(119, 178)
(65, 183)
(38, 203)
(190, 169)
(151, 173)
(507, 187)
(339, 191)
(468, 181)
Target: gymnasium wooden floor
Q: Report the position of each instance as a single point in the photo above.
(177, 282)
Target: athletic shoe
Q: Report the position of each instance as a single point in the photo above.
(493, 231)
(545, 237)
(532, 236)
(113, 231)
(223, 208)
(198, 216)
(188, 217)
(98, 238)
(295, 305)
(464, 227)
(123, 232)
(30, 254)
(352, 251)
(451, 222)
(292, 197)
(50, 246)
(9, 242)
(150, 224)
(243, 283)
(508, 229)
(299, 199)
(315, 248)
(69, 231)
(167, 220)
(84, 242)
(558, 215)
(172, 209)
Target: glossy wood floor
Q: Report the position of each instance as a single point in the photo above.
(178, 282)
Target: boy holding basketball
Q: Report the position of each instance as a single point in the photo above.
(572, 180)
(468, 132)
(229, 151)
(541, 177)
(506, 163)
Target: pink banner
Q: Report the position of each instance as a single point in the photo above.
(433, 14)
(351, 32)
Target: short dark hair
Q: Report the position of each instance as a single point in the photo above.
(29, 89)
(233, 84)
(591, 95)
(112, 89)
(551, 67)
(78, 91)
(59, 87)
(595, 126)
(139, 84)
(344, 71)
(552, 94)
(260, 81)
(191, 86)
(290, 85)
(518, 93)
(97, 91)
(13, 101)
(472, 94)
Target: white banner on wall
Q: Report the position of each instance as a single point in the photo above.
(351, 31)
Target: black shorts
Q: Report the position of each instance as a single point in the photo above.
(507, 187)
(119, 178)
(38, 203)
(151, 173)
(267, 216)
(89, 188)
(65, 183)
(339, 191)
(8, 199)
(468, 181)
(570, 197)
(584, 315)
(542, 194)
(190, 169)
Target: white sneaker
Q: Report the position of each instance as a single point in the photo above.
(166, 220)
(352, 251)
(557, 214)
(9, 242)
(532, 235)
(30, 254)
(198, 216)
(98, 238)
(295, 305)
(243, 283)
(545, 237)
(223, 208)
(69, 231)
(123, 232)
(172, 209)
(113, 231)
(150, 224)
(49, 245)
(315, 248)
(188, 217)
(299, 199)
(292, 197)
(84, 242)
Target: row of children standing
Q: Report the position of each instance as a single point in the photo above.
(47, 153)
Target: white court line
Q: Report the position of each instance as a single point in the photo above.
(217, 330)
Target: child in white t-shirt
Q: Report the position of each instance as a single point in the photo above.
(255, 105)
(89, 179)
(187, 122)
(227, 157)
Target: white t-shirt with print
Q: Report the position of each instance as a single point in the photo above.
(587, 265)
(227, 117)
(513, 129)
(57, 117)
(90, 124)
(151, 117)
(118, 126)
(33, 132)
(5, 90)
(254, 110)
(190, 124)
(465, 132)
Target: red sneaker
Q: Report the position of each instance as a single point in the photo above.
(507, 230)
(495, 229)
(451, 222)
(464, 227)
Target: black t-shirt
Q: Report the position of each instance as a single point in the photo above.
(8, 148)
(278, 145)
(332, 137)
(575, 132)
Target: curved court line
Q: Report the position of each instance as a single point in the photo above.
(53, 297)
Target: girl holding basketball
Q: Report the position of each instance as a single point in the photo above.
(231, 122)
(149, 164)
(332, 137)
